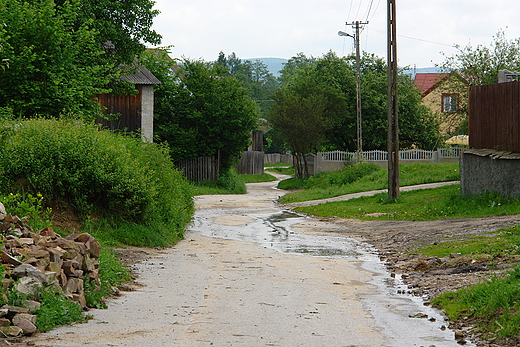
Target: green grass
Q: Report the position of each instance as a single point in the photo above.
(265, 177)
(493, 307)
(502, 243)
(274, 165)
(424, 204)
(331, 184)
(289, 170)
(232, 183)
(112, 273)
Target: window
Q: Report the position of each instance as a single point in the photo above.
(450, 103)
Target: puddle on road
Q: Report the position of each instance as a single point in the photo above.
(273, 230)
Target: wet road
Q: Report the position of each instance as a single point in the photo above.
(243, 278)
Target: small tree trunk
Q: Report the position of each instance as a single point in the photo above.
(305, 167)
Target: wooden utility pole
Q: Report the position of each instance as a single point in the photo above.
(357, 25)
(393, 124)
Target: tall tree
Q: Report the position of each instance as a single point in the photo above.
(201, 110)
(480, 64)
(123, 26)
(59, 54)
(50, 59)
(252, 75)
(333, 79)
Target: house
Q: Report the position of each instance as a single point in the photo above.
(446, 95)
(132, 112)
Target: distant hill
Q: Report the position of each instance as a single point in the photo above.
(273, 64)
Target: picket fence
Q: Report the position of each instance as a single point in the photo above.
(378, 155)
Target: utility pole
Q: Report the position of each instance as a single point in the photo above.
(357, 26)
(393, 125)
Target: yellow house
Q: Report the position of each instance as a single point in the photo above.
(447, 96)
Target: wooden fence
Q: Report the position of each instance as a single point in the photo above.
(275, 158)
(251, 163)
(494, 120)
(200, 169)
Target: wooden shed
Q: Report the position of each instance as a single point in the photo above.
(135, 111)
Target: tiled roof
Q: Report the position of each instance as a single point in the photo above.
(426, 82)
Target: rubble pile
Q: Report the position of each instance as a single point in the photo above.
(34, 260)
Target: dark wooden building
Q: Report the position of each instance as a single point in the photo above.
(132, 112)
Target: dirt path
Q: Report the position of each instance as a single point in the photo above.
(220, 291)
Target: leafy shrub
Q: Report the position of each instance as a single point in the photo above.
(95, 171)
(27, 205)
(230, 180)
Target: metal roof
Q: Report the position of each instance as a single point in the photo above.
(142, 76)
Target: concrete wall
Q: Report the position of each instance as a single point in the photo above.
(147, 113)
(489, 173)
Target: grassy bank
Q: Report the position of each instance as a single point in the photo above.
(424, 204)
(492, 307)
(364, 177)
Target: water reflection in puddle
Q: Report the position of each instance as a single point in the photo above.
(273, 230)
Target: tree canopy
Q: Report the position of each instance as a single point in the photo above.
(252, 75)
(200, 109)
(325, 89)
(57, 55)
(480, 64)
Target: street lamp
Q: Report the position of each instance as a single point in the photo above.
(358, 91)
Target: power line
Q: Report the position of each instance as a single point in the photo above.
(369, 9)
(414, 38)
(378, 3)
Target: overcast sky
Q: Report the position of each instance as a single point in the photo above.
(283, 28)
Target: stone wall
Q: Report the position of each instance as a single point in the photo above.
(489, 170)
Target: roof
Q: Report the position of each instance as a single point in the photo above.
(142, 76)
(426, 82)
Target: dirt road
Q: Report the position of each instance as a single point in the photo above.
(248, 274)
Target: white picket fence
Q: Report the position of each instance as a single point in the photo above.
(378, 155)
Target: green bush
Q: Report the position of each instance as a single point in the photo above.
(95, 171)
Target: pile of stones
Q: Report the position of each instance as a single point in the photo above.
(34, 260)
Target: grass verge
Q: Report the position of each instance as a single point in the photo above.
(492, 307)
(365, 177)
(420, 205)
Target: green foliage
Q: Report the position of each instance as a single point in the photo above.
(52, 57)
(123, 26)
(480, 64)
(116, 176)
(27, 205)
(252, 75)
(201, 110)
(229, 182)
(56, 310)
(318, 97)
(112, 273)
(492, 306)
(55, 56)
